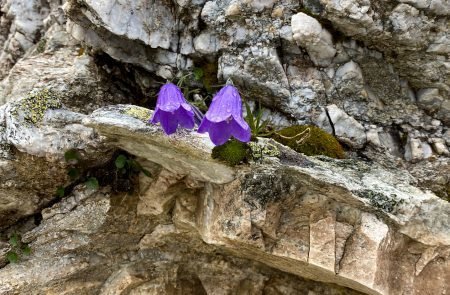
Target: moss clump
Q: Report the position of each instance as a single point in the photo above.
(140, 113)
(233, 152)
(34, 106)
(312, 142)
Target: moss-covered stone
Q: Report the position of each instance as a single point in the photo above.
(312, 142)
(233, 152)
(140, 113)
(34, 106)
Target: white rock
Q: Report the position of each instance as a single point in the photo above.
(349, 79)
(308, 33)
(346, 128)
(206, 43)
(429, 99)
(413, 150)
(439, 146)
(373, 138)
(260, 5)
(441, 7)
(427, 151)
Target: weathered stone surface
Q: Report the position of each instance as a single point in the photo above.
(373, 72)
(363, 57)
(308, 33)
(29, 149)
(157, 147)
(334, 221)
(346, 128)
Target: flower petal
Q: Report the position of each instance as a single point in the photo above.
(155, 117)
(185, 118)
(226, 103)
(204, 125)
(241, 122)
(240, 133)
(170, 98)
(220, 132)
(168, 122)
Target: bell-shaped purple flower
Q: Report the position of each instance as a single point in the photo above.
(224, 118)
(172, 109)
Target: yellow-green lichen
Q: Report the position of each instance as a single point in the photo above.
(33, 107)
(310, 140)
(233, 152)
(140, 113)
(40, 47)
(259, 150)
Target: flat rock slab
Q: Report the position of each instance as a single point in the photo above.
(185, 153)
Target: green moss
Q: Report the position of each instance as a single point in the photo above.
(140, 113)
(233, 152)
(34, 106)
(312, 142)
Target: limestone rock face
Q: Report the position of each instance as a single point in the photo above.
(196, 224)
(80, 77)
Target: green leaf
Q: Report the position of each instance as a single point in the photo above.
(14, 240)
(120, 162)
(73, 173)
(60, 191)
(92, 183)
(71, 155)
(26, 250)
(12, 257)
(250, 119)
(134, 165)
(146, 172)
(264, 125)
(198, 74)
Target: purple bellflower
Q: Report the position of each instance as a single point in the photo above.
(224, 117)
(172, 109)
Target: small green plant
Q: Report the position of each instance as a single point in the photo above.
(258, 126)
(120, 173)
(18, 249)
(125, 164)
(74, 171)
(92, 183)
(194, 77)
(60, 191)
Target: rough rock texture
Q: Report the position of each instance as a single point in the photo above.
(385, 65)
(373, 73)
(342, 223)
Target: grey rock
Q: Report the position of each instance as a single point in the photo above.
(196, 148)
(287, 225)
(348, 219)
(308, 33)
(346, 128)
(414, 150)
(439, 146)
(429, 99)
(349, 81)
